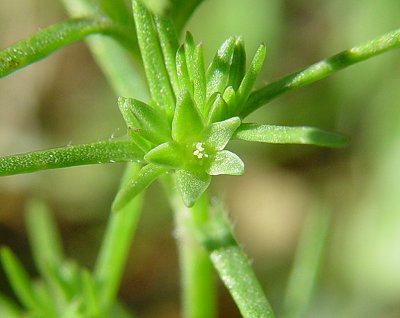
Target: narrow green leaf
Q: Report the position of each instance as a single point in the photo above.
(225, 162)
(18, 278)
(182, 72)
(218, 134)
(218, 71)
(321, 70)
(250, 77)
(132, 188)
(290, 135)
(43, 235)
(189, 52)
(153, 60)
(187, 123)
(107, 151)
(199, 76)
(49, 39)
(238, 67)
(167, 154)
(154, 126)
(191, 185)
(169, 45)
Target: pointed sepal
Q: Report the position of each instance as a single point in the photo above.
(225, 162)
(218, 134)
(191, 185)
(187, 123)
(218, 109)
(167, 154)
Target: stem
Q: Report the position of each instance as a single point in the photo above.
(100, 152)
(52, 38)
(233, 266)
(115, 247)
(321, 69)
(307, 263)
(198, 288)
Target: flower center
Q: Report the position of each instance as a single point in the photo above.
(199, 151)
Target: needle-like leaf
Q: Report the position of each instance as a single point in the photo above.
(100, 152)
(50, 39)
(290, 135)
(153, 60)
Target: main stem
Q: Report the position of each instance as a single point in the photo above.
(198, 288)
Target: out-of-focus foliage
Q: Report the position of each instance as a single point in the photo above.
(53, 102)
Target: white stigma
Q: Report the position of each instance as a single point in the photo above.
(199, 151)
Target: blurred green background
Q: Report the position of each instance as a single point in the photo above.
(65, 99)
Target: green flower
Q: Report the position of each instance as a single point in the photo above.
(205, 117)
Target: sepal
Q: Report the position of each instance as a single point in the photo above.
(218, 134)
(225, 162)
(191, 185)
(167, 154)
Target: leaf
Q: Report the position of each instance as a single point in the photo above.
(226, 162)
(169, 46)
(106, 151)
(183, 72)
(166, 154)
(290, 135)
(154, 125)
(218, 134)
(238, 67)
(54, 37)
(153, 60)
(199, 76)
(250, 77)
(187, 123)
(132, 188)
(191, 185)
(18, 278)
(218, 71)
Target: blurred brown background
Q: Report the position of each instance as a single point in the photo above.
(65, 99)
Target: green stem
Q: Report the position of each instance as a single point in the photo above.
(115, 247)
(233, 266)
(198, 288)
(50, 39)
(321, 69)
(100, 152)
